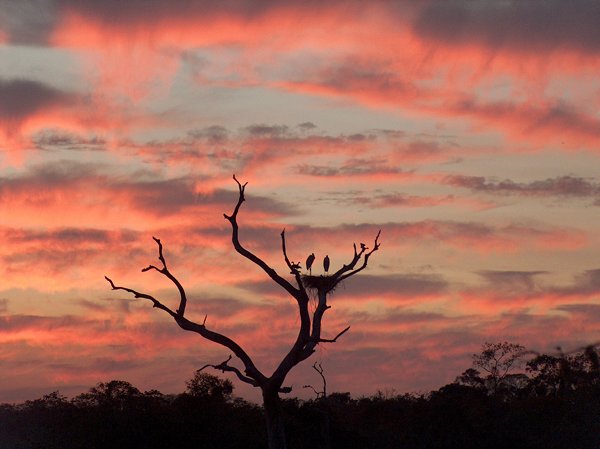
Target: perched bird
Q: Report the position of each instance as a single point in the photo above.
(309, 261)
(295, 268)
(326, 264)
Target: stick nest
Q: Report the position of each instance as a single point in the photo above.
(318, 282)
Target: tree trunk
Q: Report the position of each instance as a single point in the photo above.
(274, 419)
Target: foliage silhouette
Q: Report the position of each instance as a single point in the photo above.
(117, 415)
(208, 385)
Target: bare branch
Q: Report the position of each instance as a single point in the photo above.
(294, 267)
(165, 271)
(319, 369)
(293, 357)
(318, 393)
(249, 255)
(155, 302)
(334, 339)
(224, 366)
(250, 369)
(366, 256)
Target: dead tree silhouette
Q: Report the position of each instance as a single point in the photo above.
(310, 327)
(319, 369)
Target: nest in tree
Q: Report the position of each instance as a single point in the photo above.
(318, 282)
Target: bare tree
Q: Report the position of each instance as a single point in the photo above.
(319, 369)
(498, 359)
(309, 332)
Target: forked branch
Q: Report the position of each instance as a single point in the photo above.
(165, 271)
(252, 374)
(156, 303)
(319, 369)
(334, 339)
(235, 239)
(294, 268)
(349, 270)
(224, 366)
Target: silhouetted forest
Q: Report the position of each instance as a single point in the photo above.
(508, 399)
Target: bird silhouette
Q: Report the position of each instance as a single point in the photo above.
(326, 264)
(295, 268)
(309, 261)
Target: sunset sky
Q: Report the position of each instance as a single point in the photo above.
(468, 132)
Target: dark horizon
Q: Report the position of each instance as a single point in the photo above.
(467, 132)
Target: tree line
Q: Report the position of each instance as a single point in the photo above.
(508, 398)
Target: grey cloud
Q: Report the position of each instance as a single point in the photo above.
(421, 148)
(365, 284)
(559, 186)
(92, 305)
(220, 307)
(439, 230)
(58, 250)
(153, 10)
(58, 261)
(268, 130)
(526, 282)
(213, 134)
(399, 317)
(173, 195)
(20, 322)
(66, 235)
(228, 149)
(391, 133)
(318, 170)
(524, 25)
(360, 137)
(109, 364)
(28, 22)
(586, 283)
(561, 115)
(33, 21)
(446, 231)
(267, 288)
(167, 196)
(146, 191)
(591, 311)
(48, 176)
(352, 167)
(307, 126)
(513, 282)
(397, 284)
(20, 98)
(346, 74)
(530, 25)
(53, 140)
(399, 199)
